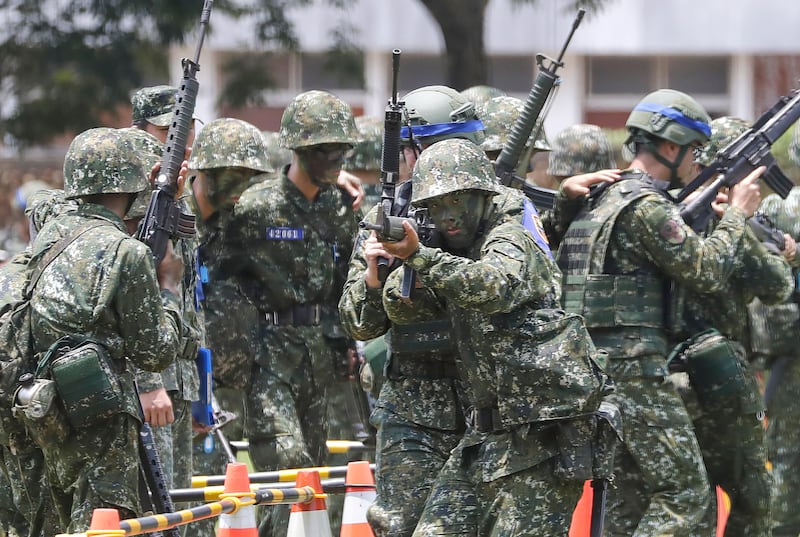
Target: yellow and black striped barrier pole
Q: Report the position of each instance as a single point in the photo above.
(277, 476)
(212, 493)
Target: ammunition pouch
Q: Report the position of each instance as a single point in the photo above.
(717, 373)
(85, 378)
(38, 406)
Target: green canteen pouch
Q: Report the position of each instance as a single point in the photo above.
(87, 383)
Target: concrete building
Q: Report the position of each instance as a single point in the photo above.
(735, 56)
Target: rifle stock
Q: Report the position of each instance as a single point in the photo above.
(163, 218)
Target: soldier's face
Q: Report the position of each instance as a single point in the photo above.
(322, 163)
(458, 216)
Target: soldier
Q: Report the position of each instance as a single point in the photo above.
(167, 396)
(778, 345)
(419, 415)
(290, 240)
(626, 242)
(729, 428)
(103, 286)
(579, 149)
(153, 108)
(498, 283)
(365, 162)
(228, 156)
(480, 95)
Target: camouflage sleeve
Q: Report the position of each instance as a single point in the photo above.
(764, 274)
(556, 221)
(150, 324)
(360, 309)
(511, 270)
(423, 304)
(148, 381)
(653, 228)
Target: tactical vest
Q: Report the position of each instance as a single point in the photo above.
(608, 300)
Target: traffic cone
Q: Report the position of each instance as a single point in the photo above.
(105, 522)
(359, 487)
(582, 516)
(309, 519)
(242, 522)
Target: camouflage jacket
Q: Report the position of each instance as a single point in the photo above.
(104, 285)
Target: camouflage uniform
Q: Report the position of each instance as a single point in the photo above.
(180, 380)
(616, 257)
(480, 95)
(26, 494)
(505, 476)
(231, 155)
(498, 115)
(103, 285)
(288, 257)
(783, 388)
(367, 155)
(580, 149)
(419, 413)
(731, 435)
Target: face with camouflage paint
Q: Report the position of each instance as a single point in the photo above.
(322, 163)
(457, 216)
(223, 186)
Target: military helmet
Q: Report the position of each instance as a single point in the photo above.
(794, 145)
(437, 113)
(499, 115)
(155, 104)
(317, 117)
(480, 95)
(451, 166)
(103, 161)
(229, 143)
(277, 156)
(150, 150)
(671, 115)
(724, 130)
(580, 149)
(367, 153)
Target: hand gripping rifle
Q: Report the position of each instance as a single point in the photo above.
(743, 155)
(163, 218)
(532, 113)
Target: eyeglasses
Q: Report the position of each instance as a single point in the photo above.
(332, 152)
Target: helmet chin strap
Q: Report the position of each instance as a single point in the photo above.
(671, 165)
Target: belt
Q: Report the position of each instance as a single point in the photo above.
(485, 420)
(299, 315)
(400, 367)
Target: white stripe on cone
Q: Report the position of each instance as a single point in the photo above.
(355, 506)
(309, 524)
(244, 518)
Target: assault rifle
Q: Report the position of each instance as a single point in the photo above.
(533, 113)
(743, 155)
(163, 218)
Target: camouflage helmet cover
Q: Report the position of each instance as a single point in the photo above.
(156, 104)
(103, 161)
(671, 115)
(724, 130)
(150, 150)
(438, 113)
(229, 143)
(499, 115)
(277, 156)
(317, 117)
(367, 153)
(480, 95)
(452, 166)
(580, 149)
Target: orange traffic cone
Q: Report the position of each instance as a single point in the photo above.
(105, 522)
(242, 522)
(582, 516)
(359, 494)
(309, 519)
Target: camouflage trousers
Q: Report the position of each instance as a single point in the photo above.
(530, 501)
(783, 440)
(174, 444)
(734, 451)
(96, 466)
(660, 485)
(208, 456)
(408, 460)
(286, 426)
(27, 508)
